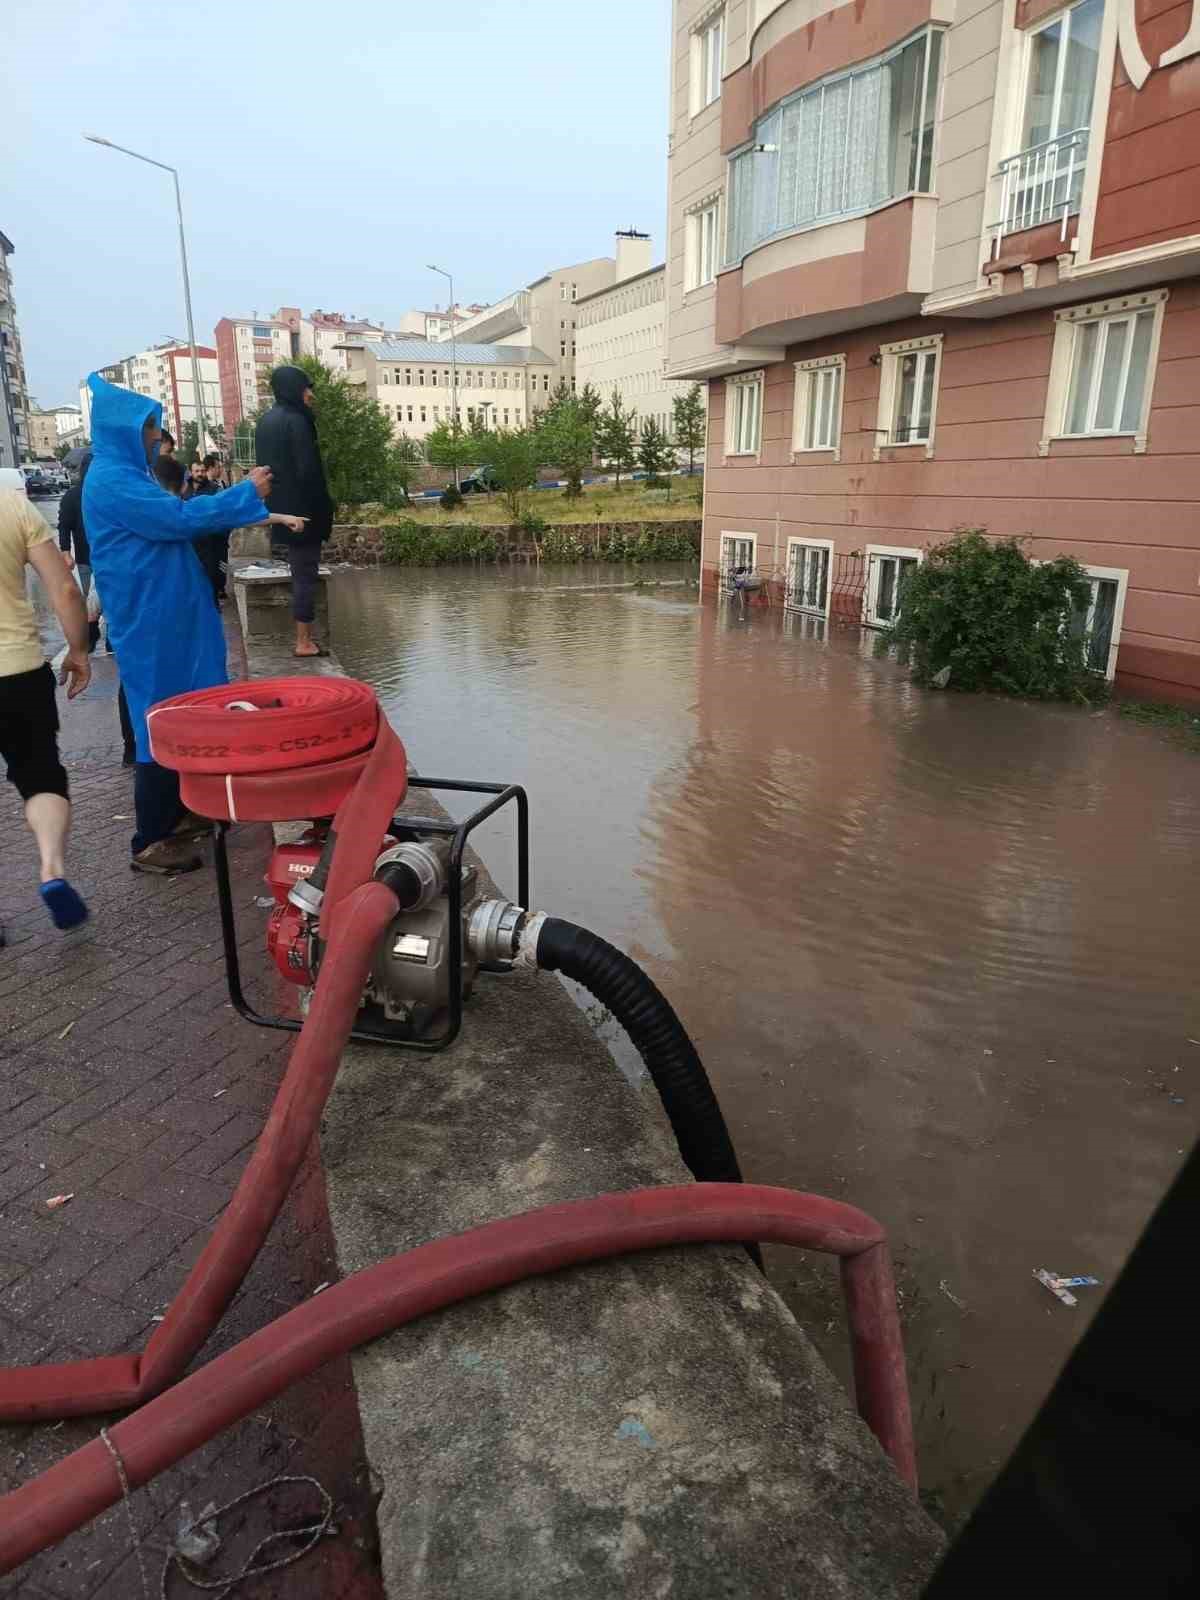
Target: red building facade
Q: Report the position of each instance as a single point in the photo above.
(960, 287)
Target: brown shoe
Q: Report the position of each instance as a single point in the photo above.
(167, 857)
(192, 826)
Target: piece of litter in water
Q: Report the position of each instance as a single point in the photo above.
(66, 1031)
(123, 816)
(57, 1200)
(1175, 1099)
(950, 1295)
(1060, 1287)
(197, 1539)
(219, 1093)
(321, 1286)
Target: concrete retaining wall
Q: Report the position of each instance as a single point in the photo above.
(658, 1426)
(362, 543)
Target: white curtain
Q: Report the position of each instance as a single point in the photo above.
(863, 139)
(789, 163)
(809, 156)
(835, 122)
(766, 178)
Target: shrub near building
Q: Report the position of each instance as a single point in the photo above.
(979, 615)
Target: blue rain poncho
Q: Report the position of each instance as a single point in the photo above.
(162, 624)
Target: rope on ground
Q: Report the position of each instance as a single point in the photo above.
(127, 1499)
(310, 1533)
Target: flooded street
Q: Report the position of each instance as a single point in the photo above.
(937, 952)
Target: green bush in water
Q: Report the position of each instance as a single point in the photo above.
(417, 544)
(978, 615)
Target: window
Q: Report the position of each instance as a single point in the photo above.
(384, 376)
(421, 378)
(708, 62)
(408, 377)
(1044, 180)
(1102, 369)
(262, 333)
(808, 575)
(743, 407)
(817, 414)
(562, 347)
(701, 246)
(1097, 623)
(574, 292)
(562, 291)
(545, 383)
(410, 413)
(437, 413)
(506, 416)
(737, 555)
(422, 413)
(886, 571)
(572, 347)
(838, 148)
(908, 390)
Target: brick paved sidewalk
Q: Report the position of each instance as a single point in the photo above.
(126, 1080)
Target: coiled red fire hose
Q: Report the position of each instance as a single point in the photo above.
(440, 1274)
(219, 752)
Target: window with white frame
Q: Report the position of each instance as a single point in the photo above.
(839, 147)
(702, 245)
(908, 393)
(1096, 624)
(808, 575)
(887, 567)
(817, 410)
(743, 410)
(1102, 369)
(708, 60)
(1043, 181)
(737, 555)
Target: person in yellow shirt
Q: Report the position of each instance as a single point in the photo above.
(28, 711)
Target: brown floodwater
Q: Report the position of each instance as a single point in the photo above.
(937, 951)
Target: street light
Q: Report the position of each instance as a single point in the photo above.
(202, 422)
(441, 271)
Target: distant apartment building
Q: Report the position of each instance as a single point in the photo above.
(939, 265)
(433, 325)
(322, 334)
(544, 315)
(621, 337)
(247, 349)
(164, 373)
(412, 380)
(15, 444)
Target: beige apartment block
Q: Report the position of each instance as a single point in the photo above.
(14, 389)
(545, 315)
(43, 434)
(413, 381)
(622, 346)
(938, 262)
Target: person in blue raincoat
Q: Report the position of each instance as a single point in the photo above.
(162, 624)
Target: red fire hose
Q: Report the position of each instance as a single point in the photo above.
(333, 716)
(256, 765)
(433, 1276)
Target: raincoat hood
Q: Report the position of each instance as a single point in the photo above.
(288, 385)
(118, 417)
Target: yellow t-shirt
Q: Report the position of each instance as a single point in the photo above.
(21, 530)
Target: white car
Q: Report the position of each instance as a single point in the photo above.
(12, 478)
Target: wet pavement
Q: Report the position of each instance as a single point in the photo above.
(935, 950)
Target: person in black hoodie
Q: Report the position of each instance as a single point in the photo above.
(286, 441)
(72, 535)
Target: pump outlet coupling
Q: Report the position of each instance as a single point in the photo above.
(414, 871)
(494, 931)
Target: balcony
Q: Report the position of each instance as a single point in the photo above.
(1041, 186)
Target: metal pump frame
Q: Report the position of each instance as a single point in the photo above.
(459, 832)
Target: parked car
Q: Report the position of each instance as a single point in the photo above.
(12, 478)
(481, 481)
(37, 485)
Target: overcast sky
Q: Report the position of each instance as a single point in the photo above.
(327, 152)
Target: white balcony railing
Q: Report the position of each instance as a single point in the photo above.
(1042, 184)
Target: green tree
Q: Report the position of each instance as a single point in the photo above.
(216, 432)
(452, 447)
(189, 445)
(515, 455)
(590, 402)
(404, 457)
(690, 421)
(655, 453)
(354, 434)
(60, 453)
(616, 436)
(978, 614)
(568, 433)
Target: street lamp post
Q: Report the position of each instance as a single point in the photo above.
(441, 271)
(202, 420)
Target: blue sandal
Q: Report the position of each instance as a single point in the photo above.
(64, 904)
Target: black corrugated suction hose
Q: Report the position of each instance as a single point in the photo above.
(669, 1055)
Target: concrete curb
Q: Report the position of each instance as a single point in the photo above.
(656, 1426)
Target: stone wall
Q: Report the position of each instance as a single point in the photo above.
(362, 544)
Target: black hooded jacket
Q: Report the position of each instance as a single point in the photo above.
(286, 441)
(72, 535)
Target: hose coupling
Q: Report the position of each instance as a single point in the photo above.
(415, 873)
(494, 931)
(306, 897)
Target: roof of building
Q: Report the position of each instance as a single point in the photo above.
(622, 283)
(471, 355)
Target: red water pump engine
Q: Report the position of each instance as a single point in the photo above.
(290, 942)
